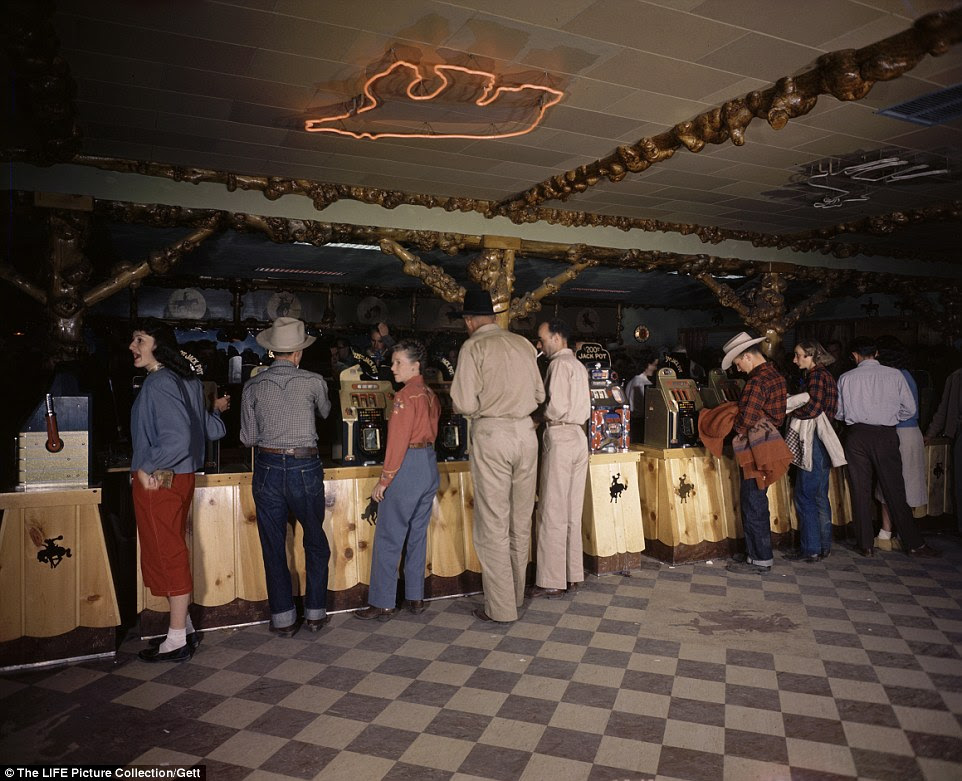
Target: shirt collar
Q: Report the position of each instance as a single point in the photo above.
(562, 351)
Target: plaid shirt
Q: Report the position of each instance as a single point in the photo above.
(278, 407)
(764, 396)
(820, 386)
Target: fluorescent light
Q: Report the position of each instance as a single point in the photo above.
(314, 271)
(597, 290)
(341, 245)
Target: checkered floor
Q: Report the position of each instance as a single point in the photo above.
(843, 669)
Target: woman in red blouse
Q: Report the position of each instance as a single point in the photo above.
(406, 490)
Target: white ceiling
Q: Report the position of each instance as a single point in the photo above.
(223, 85)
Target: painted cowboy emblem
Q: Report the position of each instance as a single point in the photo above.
(52, 553)
(370, 514)
(616, 488)
(938, 470)
(684, 489)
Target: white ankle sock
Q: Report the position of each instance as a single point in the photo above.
(175, 639)
(884, 535)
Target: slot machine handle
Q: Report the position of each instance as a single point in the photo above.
(54, 442)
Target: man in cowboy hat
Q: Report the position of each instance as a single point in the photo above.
(497, 384)
(764, 397)
(278, 411)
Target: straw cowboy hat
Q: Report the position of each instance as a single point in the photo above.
(736, 346)
(286, 335)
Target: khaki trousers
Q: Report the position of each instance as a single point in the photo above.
(504, 468)
(561, 496)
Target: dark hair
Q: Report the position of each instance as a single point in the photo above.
(560, 327)
(891, 352)
(415, 351)
(646, 358)
(166, 349)
(865, 347)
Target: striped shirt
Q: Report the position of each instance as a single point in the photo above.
(279, 405)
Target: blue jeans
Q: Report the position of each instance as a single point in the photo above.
(285, 486)
(405, 513)
(812, 505)
(757, 523)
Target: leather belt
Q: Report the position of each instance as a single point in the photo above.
(419, 445)
(297, 452)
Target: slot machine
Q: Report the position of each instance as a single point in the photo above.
(366, 405)
(53, 445)
(609, 426)
(671, 411)
(720, 388)
(453, 440)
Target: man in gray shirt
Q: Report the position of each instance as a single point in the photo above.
(872, 399)
(277, 419)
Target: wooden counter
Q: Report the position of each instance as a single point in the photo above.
(228, 569)
(58, 599)
(611, 527)
(691, 509)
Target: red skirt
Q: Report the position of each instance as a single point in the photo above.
(162, 528)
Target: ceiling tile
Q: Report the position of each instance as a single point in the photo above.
(655, 107)
(652, 28)
(602, 125)
(756, 173)
(662, 74)
(762, 57)
(544, 13)
(673, 177)
(593, 95)
(820, 21)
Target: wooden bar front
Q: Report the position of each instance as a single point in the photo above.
(57, 597)
(691, 510)
(228, 568)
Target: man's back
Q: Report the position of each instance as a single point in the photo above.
(874, 394)
(497, 376)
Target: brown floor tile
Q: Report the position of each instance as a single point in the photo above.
(589, 694)
(804, 684)
(852, 672)
(282, 722)
(936, 746)
(752, 697)
(358, 707)
(813, 729)
(570, 744)
(705, 671)
(691, 765)
(501, 764)
(866, 713)
(647, 682)
(379, 741)
(458, 724)
(402, 666)
(683, 709)
(342, 678)
(752, 745)
(530, 709)
(552, 668)
(633, 726)
(300, 760)
(915, 698)
(405, 772)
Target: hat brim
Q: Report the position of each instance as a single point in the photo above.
(731, 355)
(263, 341)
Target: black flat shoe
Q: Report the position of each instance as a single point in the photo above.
(539, 592)
(924, 551)
(380, 613)
(153, 654)
(574, 588)
(415, 606)
(285, 631)
(797, 555)
(316, 624)
(193, 640)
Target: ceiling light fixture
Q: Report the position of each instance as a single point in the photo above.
(312, 271)
(528, 100)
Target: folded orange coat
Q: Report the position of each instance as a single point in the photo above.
(762, 454)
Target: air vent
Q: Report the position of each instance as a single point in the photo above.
(936, 108)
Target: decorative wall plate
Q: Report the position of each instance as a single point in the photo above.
(642, 333)
(587, 321)
(283, 304)
(186, 304)
(371, 310)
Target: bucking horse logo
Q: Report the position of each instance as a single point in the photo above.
(616, 488)
(52, 553)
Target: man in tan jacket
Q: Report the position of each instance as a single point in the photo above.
(498, 386)
(564, 466)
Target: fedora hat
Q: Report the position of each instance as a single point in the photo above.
(736, 346)
(476, 302)
(286, 335)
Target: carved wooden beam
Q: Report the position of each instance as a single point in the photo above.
(323, 194)
(7, 274)
(531, 301)
(847, 75)
(435, 278)
(159, 262)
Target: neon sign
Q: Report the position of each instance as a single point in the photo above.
(530, 100)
